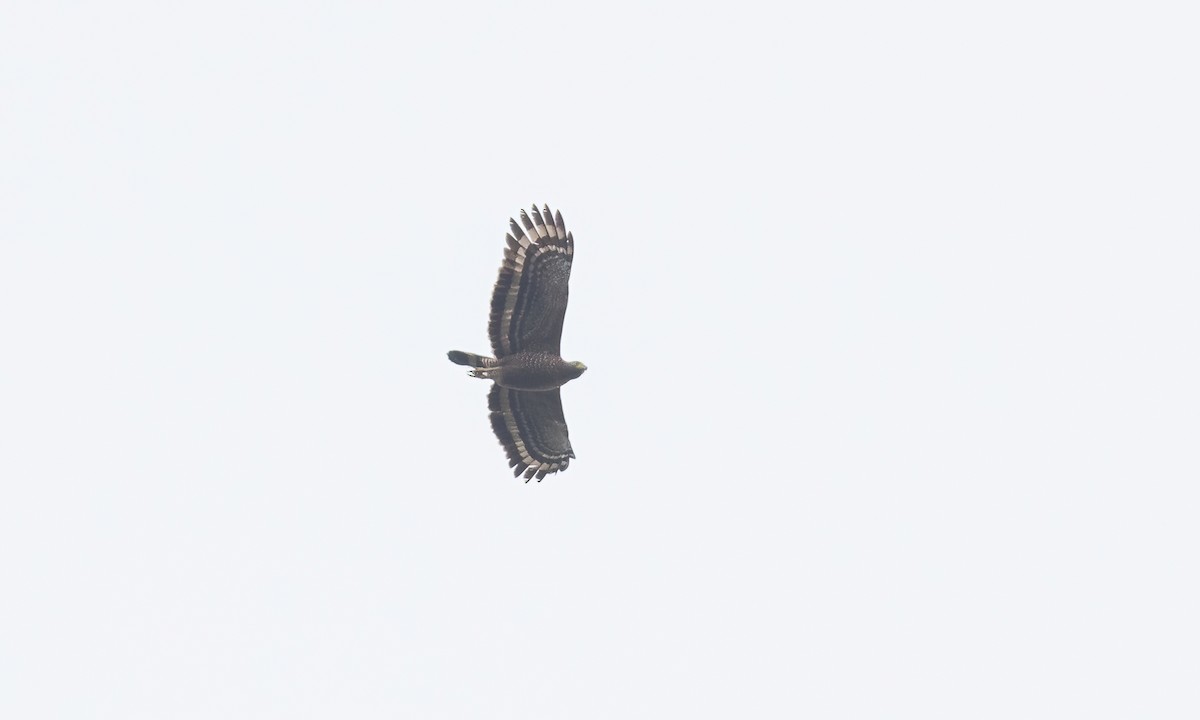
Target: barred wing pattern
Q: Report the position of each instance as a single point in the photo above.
(532, 429)
(530, 298)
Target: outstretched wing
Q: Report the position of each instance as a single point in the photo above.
(532, 429)
(530, 298)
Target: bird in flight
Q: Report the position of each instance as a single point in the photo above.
(528, 306)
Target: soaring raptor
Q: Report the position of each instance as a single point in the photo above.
(528, 305)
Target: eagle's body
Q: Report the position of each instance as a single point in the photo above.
(529, 303)
(536, 370)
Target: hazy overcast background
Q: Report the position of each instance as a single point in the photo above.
(890, 311)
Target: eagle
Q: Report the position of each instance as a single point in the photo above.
(528, 306)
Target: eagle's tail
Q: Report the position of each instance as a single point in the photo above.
(458, 357)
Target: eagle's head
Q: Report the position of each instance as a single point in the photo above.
(577, 369)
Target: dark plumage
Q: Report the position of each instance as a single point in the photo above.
(529, 303)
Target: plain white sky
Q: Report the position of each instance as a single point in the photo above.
(890, 312)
